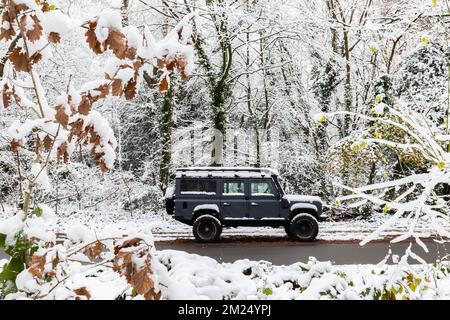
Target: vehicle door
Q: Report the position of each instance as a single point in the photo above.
(264, 199)
(234, 201)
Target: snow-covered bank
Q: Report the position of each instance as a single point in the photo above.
(188, 276)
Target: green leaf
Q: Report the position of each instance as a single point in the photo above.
(37, 212)
(267, 291)
(2, 240)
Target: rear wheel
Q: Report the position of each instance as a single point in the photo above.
(303, 227)
(207, 228)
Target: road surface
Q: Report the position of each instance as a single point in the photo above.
(288, 252)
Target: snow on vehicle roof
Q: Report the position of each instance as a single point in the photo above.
(225, 172)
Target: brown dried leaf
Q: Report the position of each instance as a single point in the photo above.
(163, 85)
(181, 62)
(103, 167)
(7, 34)
(128, 243)
(35, 58)
(160, 63)
(61, 116)
(96, 249)
(37, 265)
(116, 41)
(62, 152)
(48, 143)
(130, 53)
(35, 33)
(82, 292)
(116, 87)
(104, 91)
(45, 7)
(170, 65)
(85, 106)
(91, 38)
(19, 60)
(130, 89)
(142, 281)
(54, 37)
(20, 7)
(15, 145)
(37, 146)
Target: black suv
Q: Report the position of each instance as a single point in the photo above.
(210, 198)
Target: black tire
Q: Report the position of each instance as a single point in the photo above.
(286, 229)
(303, 227)
(207, 228)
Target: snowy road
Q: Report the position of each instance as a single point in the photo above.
(288, 252)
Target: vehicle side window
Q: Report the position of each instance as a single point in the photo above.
(198, 186)
(233, 188)
(263, 188)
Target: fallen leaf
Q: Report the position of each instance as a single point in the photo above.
(96, 249)
(37, 265)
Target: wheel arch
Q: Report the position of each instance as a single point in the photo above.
(298, 208)
(202, 212)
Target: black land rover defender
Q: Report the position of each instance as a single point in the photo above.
(210, 198)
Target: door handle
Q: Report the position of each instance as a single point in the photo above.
(254, 204)
(226, 204)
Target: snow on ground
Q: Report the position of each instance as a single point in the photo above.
(189, 276)
(165, 228)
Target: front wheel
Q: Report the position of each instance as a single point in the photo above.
(303, 227)
(207, 228)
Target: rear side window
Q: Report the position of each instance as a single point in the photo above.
(198, 186)
(233, 188)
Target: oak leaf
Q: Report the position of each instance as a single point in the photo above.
(54, 37)
(95, 249)
(37, 265)
(116, 87)
(61, 116)
(62, 153)
(35, 32)
(85, 106)
(163, 85)
(116, 41)
(91, 38)
(103, 91)
(48, 143)
(7, 20)
(83, 292)
(130, 89)
(19, 60)
(15, 145)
